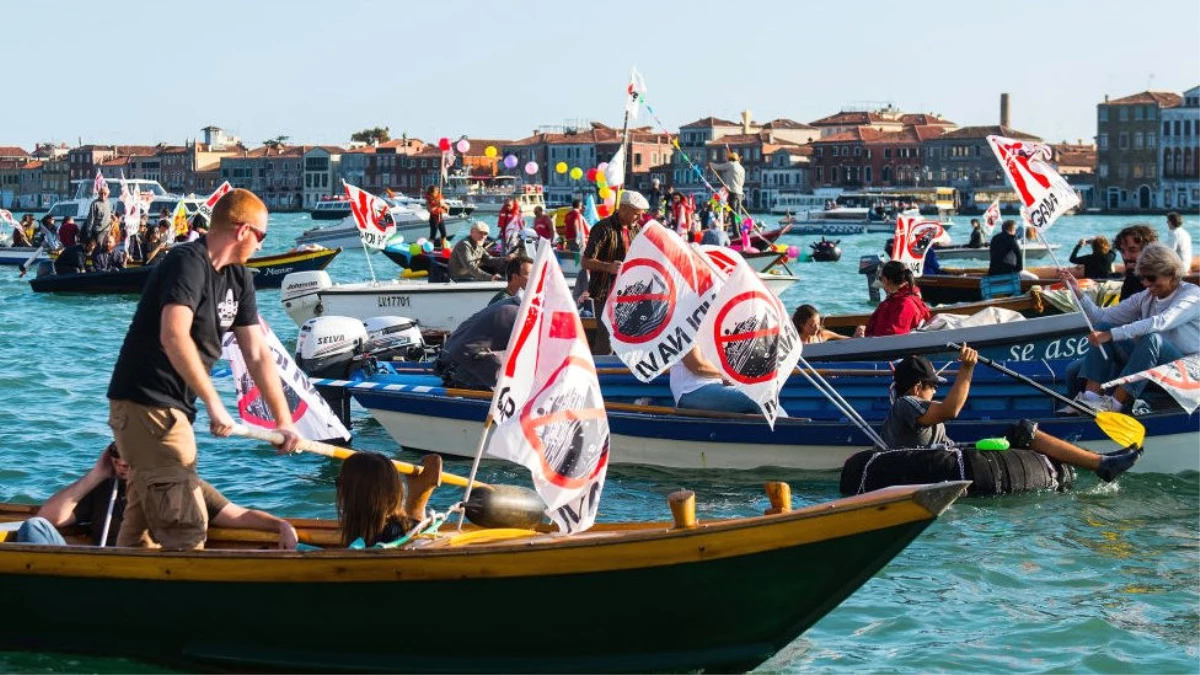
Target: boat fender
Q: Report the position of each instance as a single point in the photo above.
(505, 506)
(991, 473)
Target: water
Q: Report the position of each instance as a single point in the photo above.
(1104, 579)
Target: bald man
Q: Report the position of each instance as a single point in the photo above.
(199, 291)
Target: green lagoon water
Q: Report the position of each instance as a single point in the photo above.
(1102, 579)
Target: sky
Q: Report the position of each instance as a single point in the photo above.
(319, 71)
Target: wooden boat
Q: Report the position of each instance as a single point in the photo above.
(949, 288)
(1030, 305)
(722, 595)
(269, 272)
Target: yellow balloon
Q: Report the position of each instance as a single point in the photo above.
(605, 192)
(576, 173)
(490, 151)
(601, 180)
(561, 167)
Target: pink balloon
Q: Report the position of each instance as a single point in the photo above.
(602, 166)
(793, 252)
(463, 145)
(531, 168)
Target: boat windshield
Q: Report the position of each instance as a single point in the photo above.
(83, 188)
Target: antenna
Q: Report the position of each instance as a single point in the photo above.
(1150, 82)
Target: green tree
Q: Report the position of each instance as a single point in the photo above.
(380, 134)
(277, 142)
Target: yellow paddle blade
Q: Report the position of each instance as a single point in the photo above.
(1122, 428)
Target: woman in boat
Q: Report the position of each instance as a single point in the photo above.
(917, 421)
(902, 310)
(976, 235)
(19, 238)
(508, 225)
(370, 500)
(807, 321)
(1157, 326)
(1099, 263)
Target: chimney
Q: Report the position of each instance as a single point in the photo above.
(746, 121)
(1004, 117)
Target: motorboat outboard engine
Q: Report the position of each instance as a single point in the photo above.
(332, 347)
(394, 338)
(870, 266)
(300, 293)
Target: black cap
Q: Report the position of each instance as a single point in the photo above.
(912, 370)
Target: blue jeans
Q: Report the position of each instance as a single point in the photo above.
(38, 530)
(1127, 357)
(717, 396)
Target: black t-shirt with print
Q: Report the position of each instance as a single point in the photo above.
(218, 300)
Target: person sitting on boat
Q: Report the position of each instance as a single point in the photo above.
(86, 503)
(1099, 263)
(509, 223)
(807, 321)
(713, 235)
(517, 271)
(29, 225)
(67, 233)
(154, 246)
(976, 234)
(902, 310)
(135, 245)
(199, 227)
(1130, 241)
(73, 259)
(573, 225)
(470, 357)
(469, 254)
(19, 238)
(371, 501)
(109, 258)
(1005, 251)
(543, 224)
(917, 421)
(697, 384)
(1157, 326)
(1180, 240)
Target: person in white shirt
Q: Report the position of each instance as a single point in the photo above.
(1181, 241)
(1156, 326)
(733, 177)
(697, 384)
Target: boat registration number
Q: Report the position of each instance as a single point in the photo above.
(393, 301)
(1062, 348)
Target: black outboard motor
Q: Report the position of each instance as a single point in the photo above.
(869, 266)
(332, 347)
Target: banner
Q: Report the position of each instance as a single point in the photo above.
(179, 219)
(633, 95)
(1180, 379)
(209, 204)
(614, 173)
(310, 413)
(375, 224)
(1044, 194)
(725, 259)
(548, 409)
(991, 218)
(913, 239)
(135, 206)
(98, 183)
(749, 336)
(657, 302)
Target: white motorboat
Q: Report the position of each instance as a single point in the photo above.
(487, 195)
(411, 218)
(1033, 251)
(78, 206)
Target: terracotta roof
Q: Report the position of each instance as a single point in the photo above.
(850, 117)
(785, 123)
(711, 122)
(1066, 154)
(790, 148)
(967, 133)
(922, 118)
(1163, 99)
(12, 151)
(762, 137)
(925, 132)
(855, 135)
(136, 150)
(116, 161)
(35, 164)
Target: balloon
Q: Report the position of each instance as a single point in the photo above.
(793, 252)
(427, 247)
(414, 249)
(531, 168)
(601, 179)
(446, 253)
(561, 167)
(591, 175)
(463, 145)
(510, 161)
(603, 210)
(421, 241)
(444, 144)
(490, 152)
(605, 192)
(602, 166)
(576, 173)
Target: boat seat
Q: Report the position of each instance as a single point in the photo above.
(1000, 286)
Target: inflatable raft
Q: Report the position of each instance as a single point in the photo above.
(991, 472)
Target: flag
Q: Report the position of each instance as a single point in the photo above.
(591, 216)
(991, 218)
(749, 336)
(179, 219)
(614, 173)
(134, 207)
(209, 204)
(1044, 194)
(725, 259)
(311, 415)
(371, 214)
(1180, 378)
(657, 302)
(548, 409)
(7, 218)
(447, 162)
(633, 93)
(913, 239)
(98, 183)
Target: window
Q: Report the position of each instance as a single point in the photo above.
(1123, 115)
(1104, 141)
(1166, 129)
(1122, 171)
(867, 174)
(1103, 112)
(1137, 113)
(1168, 168)
(1150, 142)
(1123, 140)
(857, 151)
(1176, 127)
(1137, 140)
(1103, 170)
(1150, 112)
(1137, 170)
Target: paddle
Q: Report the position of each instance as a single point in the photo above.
(1121, 428)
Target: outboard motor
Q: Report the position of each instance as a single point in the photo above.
(394, 338)
(332, 347)
(869, 266)
(300, 294)
(45, 268)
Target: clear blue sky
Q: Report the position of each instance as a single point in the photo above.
(318, 71)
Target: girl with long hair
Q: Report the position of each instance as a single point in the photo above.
(903, 309)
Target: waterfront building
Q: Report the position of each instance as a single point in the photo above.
(321, 173)
(1077, 163)
(1179, 159)
(1127, 135)
(194, 168)
(29, 191)
(693, 141)
(755, 152)
(886, 119)
(786, 171)
(273, 172)
(865, 156)
(10, 181)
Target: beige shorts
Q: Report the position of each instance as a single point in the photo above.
(164, 504)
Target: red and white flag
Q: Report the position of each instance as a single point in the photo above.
(312, 416)
(548, 409)
(633, 93)
(991, 218)
(1180, 378)
(209, 204)
(375, 225)
(1044, 194)
(135, 206)
(98, 183)
(914, 237)
(749, 336)
(657, 302)
(726, 260)
(7, 218)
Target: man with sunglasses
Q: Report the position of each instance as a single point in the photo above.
(200, 290)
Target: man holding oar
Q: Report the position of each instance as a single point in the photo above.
(198, 292)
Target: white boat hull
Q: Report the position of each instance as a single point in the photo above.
(1032, 252)
(435, 306)
(345, 233)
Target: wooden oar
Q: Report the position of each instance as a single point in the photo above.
(1121, 428)
(622, 370)
(336, 452)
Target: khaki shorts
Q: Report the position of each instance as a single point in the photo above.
(164, 503)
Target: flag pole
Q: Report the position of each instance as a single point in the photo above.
(487, 427)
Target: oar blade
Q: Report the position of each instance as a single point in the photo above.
(1123, 429)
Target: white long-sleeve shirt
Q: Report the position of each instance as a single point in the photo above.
(1176, 317)
(1181, 243)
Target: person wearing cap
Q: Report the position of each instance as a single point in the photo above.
(733, 177)
(917, 421)
(606, 248)
(96, 227)
(469, 254)
(655, 197)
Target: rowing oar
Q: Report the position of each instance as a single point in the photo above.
(112, 502)
(1121, 428)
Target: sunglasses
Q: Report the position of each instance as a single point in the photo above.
(1149, 278)
(260, 235)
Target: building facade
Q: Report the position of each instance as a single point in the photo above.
(322, 172)
(1179, 158)
(1127, 142)
(963, 159)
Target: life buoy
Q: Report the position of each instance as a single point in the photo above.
(991, 473)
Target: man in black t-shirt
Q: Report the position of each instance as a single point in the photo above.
(1005, 251)
(196, 294)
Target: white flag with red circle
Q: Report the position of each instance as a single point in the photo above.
(914, 237)
(1044, 194)
(548, 409)
(991, 218)
(726, 259)
(371, 215)
(657, 302)
(749, 336)
(1180, 378)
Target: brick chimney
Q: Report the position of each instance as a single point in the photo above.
(1004, 111)
(746, 121)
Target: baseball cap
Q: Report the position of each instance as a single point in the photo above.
(912, 370)
(634, 199)
(481, 226)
